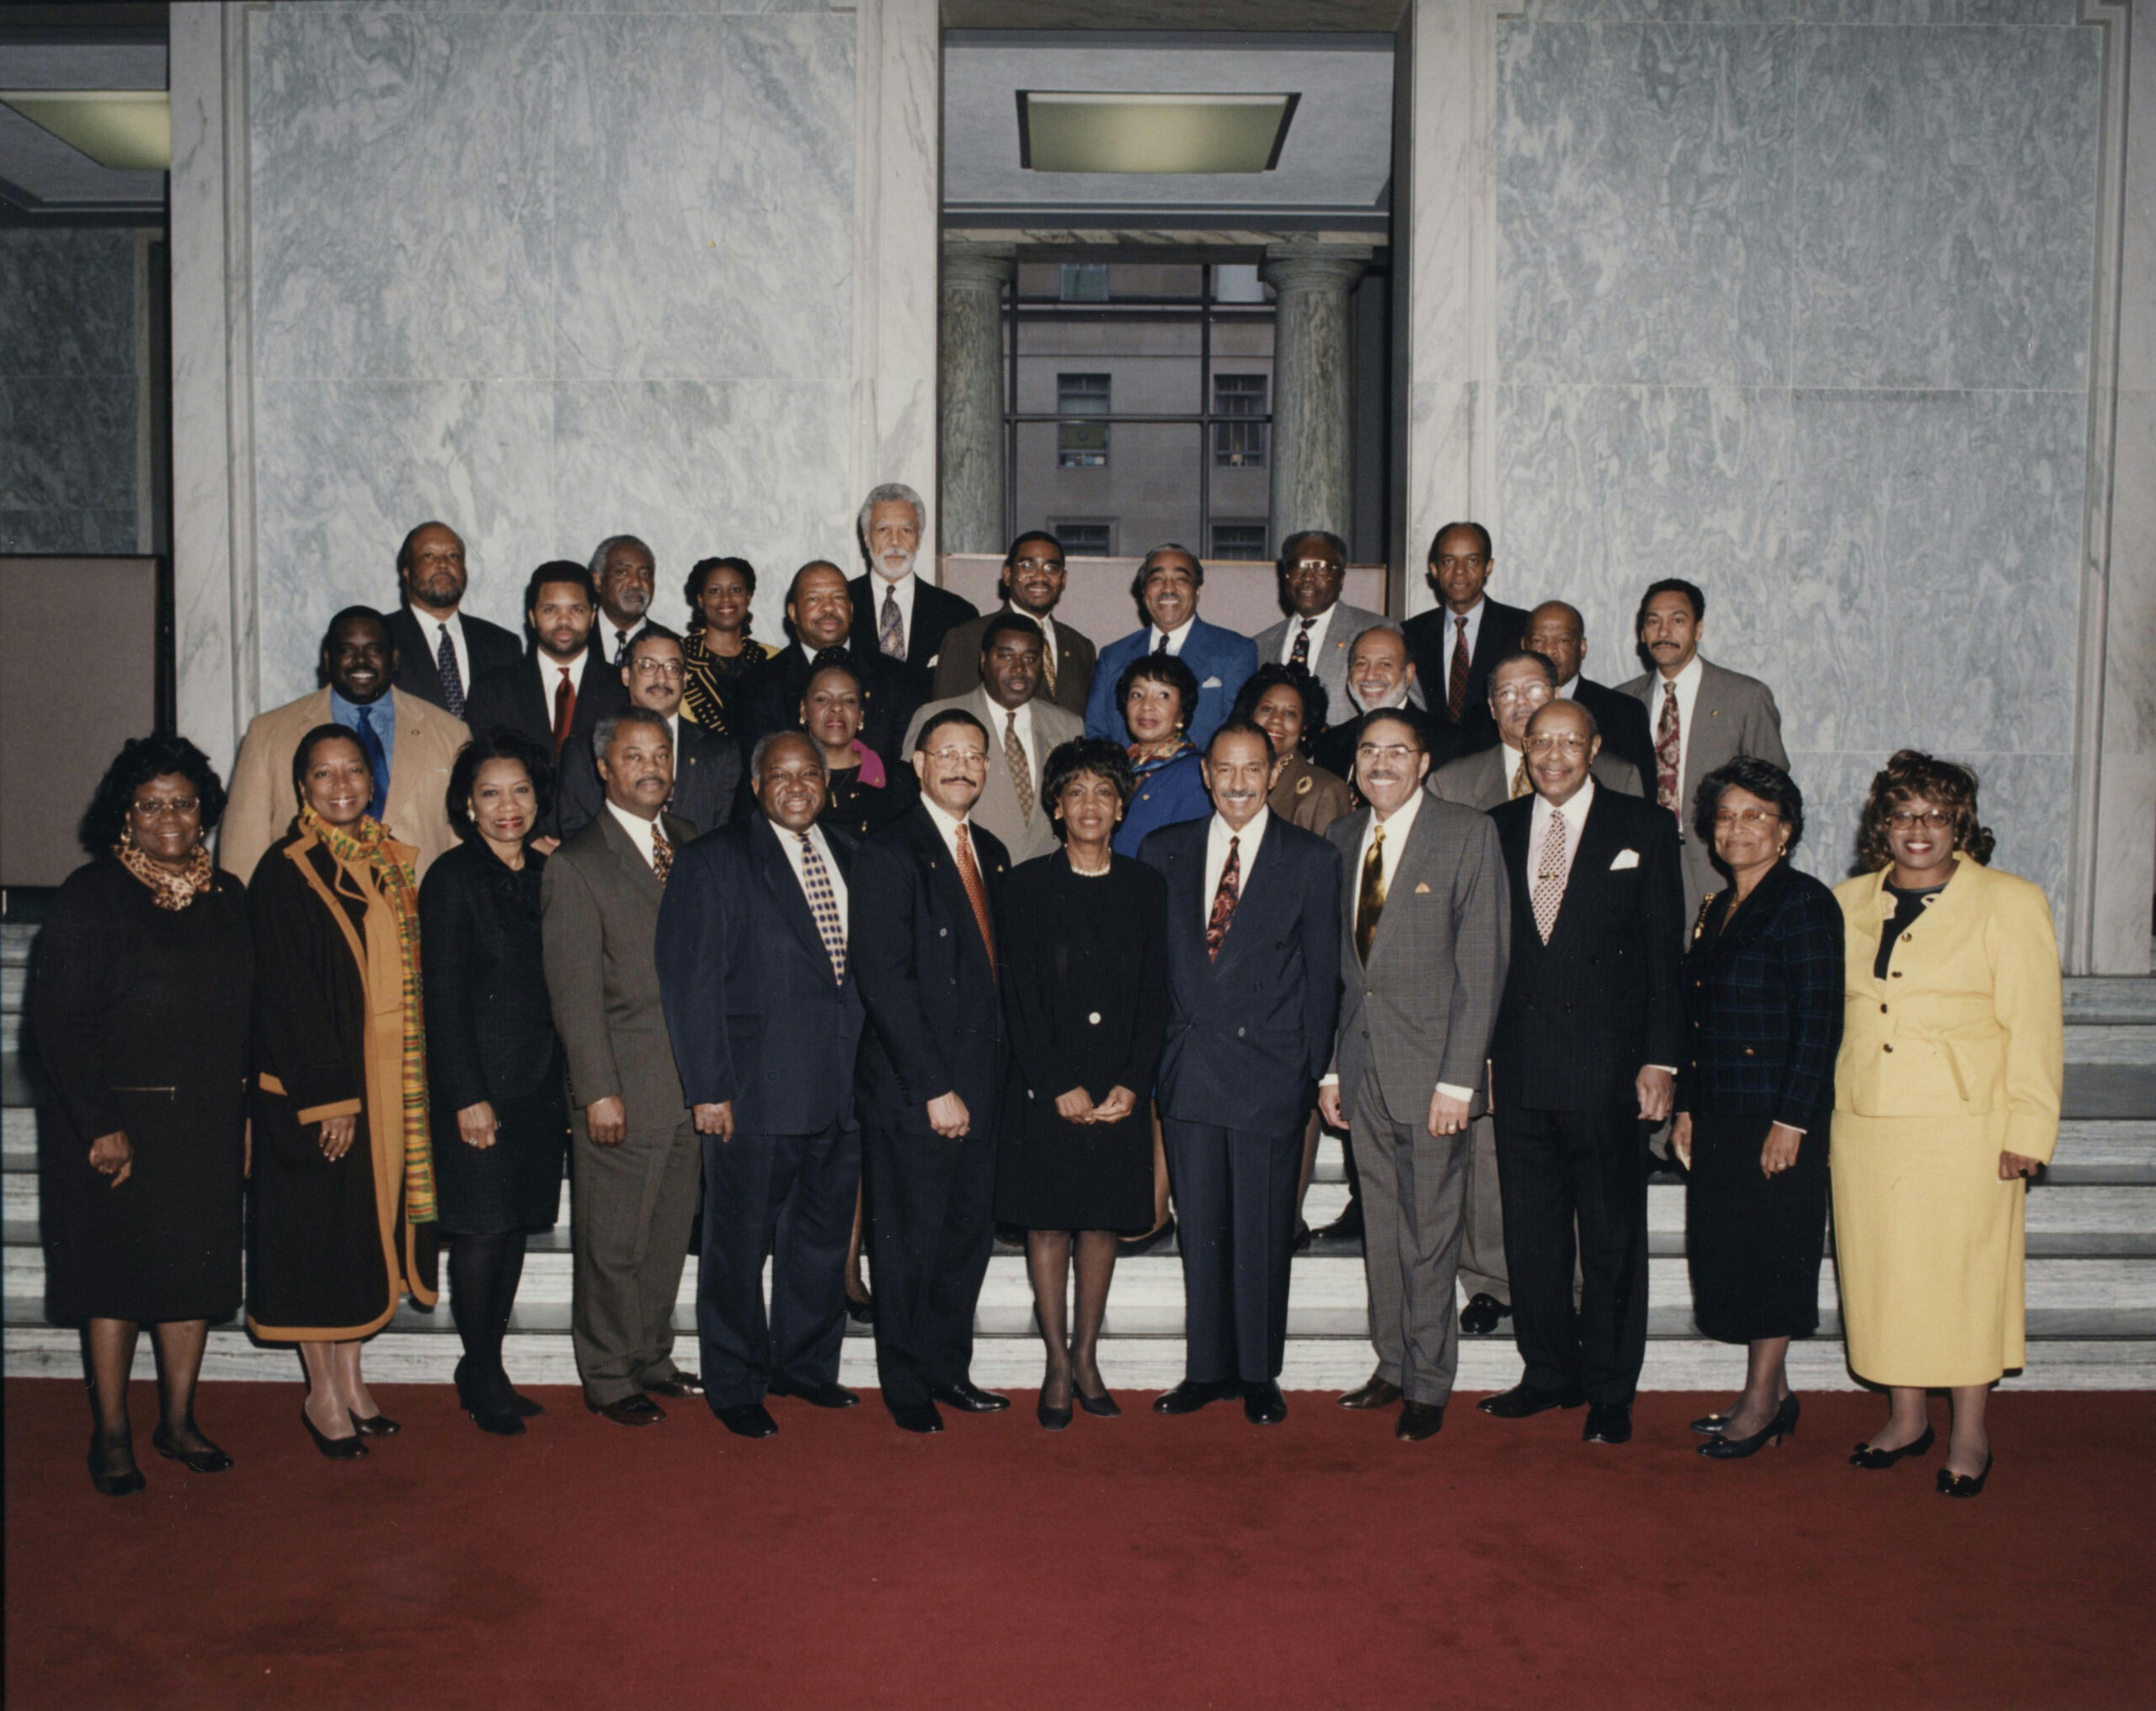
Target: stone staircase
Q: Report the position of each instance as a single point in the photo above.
(2091, 1271)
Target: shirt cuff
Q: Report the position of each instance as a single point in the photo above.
(1465, 1096)
(1328, 1080)
(1669, 1070)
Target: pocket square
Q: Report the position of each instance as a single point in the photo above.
(1210, 683)
(1626, 858)
(1421, 888)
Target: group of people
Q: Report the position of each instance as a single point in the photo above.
(929, 923)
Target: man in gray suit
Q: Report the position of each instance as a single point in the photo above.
(634, 1156)
(1319, 627)
(1425, 923)
(1023, 730)
(1702, 718)
(1521, 684)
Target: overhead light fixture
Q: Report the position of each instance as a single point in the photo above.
(1071, 130)
(129, 129)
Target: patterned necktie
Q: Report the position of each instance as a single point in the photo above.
(1456, 683)
(1370, 901)
(452, 679)
(1301, 656)
(564, 711)
(1048, 662)
(976, 892)
(377, 762)
(621, 647)
(1521, 784)
(1163, 647)
(662, 852)
(1225, 896)
(1668, 755)
(823, 904)
(890, 628)
(1549, 877)
(1021, 771)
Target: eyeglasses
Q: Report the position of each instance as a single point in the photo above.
(1314, 567)
(1568, 745)
(179, 807)
(1535, 692)
(1744, 817)
(1037, 564)
(958, 757)
(658, 668)
(1391, 751)
(1932, 819)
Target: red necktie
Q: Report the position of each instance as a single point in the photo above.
(564, 711)
(1226, 895)
(1456, 685)
(976, 892)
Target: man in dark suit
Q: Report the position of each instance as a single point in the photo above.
(1588, 1033)
(624, 577)
(1165, 588)
(923, 933)
(896, 615)
(1380, 679)
(819, 610)
(1033, 585)
(1521, 684)
(1453, 646)
(706, 763)
(1253, 987)
(632, 1151)
(440, 654)
(1556, 632)
(754, 969)
(558, 693)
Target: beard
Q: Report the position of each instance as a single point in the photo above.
(893, 565)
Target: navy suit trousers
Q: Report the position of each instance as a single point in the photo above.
(1235, 1193)
(930, 1229)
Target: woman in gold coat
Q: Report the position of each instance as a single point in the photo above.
(1946, 1099)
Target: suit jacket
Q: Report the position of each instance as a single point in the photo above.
(772, 700)
(706, 774)
(1429, 645)
(1480, 780)
(1335, 747)
(1421, 1010)
(1618, 715)
(927, 982)
(520, 698)
(757, 1017)
(1250, 1034)
(1732, 715)
(262, 802)
(1330, 664)
(1582, 1015)
(958, 669)
(1219, 658)
(934, 611)
(490, 645)
(997, 810)
(599, 909)
(490, 1029)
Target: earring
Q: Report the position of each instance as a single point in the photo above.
(127, 834)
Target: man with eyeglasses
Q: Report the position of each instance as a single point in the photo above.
(1319, 627)
(1521, 684)
(1454, 645)
(1032, 586)
(706, 763)
(1589, 1031)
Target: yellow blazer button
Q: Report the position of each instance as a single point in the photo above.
(1890, 1046)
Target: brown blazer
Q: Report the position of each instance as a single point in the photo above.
(958, 667)
(1309, 795)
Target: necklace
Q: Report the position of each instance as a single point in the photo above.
(1099, 872)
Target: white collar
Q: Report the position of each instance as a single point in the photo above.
(1569, 688)
(1687, 681)
(946, 824)
(1177, 637)
(1255, 831)
(1403, 817)
(575, 666)
(637, 828)
(1574, 810)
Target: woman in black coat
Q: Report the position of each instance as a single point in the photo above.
(495, 1067)
(1087, 996)
(139, 1015)
(1763, 991)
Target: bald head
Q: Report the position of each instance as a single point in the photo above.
(1562, 740)
(1557, 633)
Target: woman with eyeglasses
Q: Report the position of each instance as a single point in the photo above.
(1762, 1011)
(1946, 1101)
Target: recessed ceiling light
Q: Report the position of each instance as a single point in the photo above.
(1070, 130)
(127, 129)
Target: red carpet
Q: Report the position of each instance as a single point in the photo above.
(1139, 1561)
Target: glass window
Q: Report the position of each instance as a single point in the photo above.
(1085, 538)
(1084, 282)
(1081, 444)
(1239, 540)
(1239, 445)
(1237, 282)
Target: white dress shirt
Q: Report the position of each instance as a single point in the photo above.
(948, 826)
(1568, 687)
(550, 675)
(1574, 817)
(901, 590)
(790, 844)
(1688, 697)
(1177, 637)
(1216, 857)
(639, 831)
(1455, 640)
(614, 638)
(1320, 628)
(1049, 650)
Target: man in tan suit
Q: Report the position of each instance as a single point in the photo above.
(410, 745)
(1031, 585)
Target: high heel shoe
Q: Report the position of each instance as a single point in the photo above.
(1730, 1449)
(208, 1459)
(1953, 1484)
(1052, 1418)
(1713, 1424)
(1101, 1407)
(1872, 1460)
(499, 1417)
(338, 1449)
(113, 1481)
(374, 1426)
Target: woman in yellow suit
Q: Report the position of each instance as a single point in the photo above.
(1946, 1098)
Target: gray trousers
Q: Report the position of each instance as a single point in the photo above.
(1482, 1242)
(630, 1217)
(1414, 1194)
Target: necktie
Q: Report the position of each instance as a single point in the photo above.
(890, 628)
(1225, 896)
(1370, 901)
(377, 762)
(621, 647)
(1549, 877)
(1669, 753)
(976, 892)
(452, 679)
(1163, 647)
(662, 852)
(823, 904)
(564, 711)
(1021, 772)
(1301, 656)
(1521, 784)
(1048, 661)
(1456, 683)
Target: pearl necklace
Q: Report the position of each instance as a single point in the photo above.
(1100, 872)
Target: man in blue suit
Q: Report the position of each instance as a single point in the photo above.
(1166, 589)
(1253, 988)
(765, 1016)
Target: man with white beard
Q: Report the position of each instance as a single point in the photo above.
(895, 613)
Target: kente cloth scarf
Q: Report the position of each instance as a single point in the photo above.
(169, 890)
(365, 846)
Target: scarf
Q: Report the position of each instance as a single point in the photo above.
(873, 776)
(169, 890)
(365, 846)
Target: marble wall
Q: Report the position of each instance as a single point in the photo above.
(1793, 300)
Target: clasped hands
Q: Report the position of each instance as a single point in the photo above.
(1077, 1106)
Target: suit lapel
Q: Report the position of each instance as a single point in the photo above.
(1597, 848)
(1254, 904)
(1707, 706)
(1418, 864)
(944, 878)
(627, 853)
(776, 869)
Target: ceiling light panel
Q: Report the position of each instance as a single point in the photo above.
(1071, 130)
(129, 129)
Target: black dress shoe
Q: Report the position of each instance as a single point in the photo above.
(1953, 1484)
(1192, 1394)
(375, 1425)
(634, 1409)
(114, 1474)
(922, 1420)
(1052, 1418)
(1483, 1314)
(816, 1396)
(678, 1388)
(1780, 1424)
(338, 1449)
(1101, 1407)
(968, 1398)
(1304, 1237)
(1346, 1228)
(1871, 1460)
(861, 1309)
(1418, 1421)
(1608, 1422)
(749, 1420)
(1373, 1393)
(524, 1406)
(206, 1458)
(1523, 1399)
(1263, 1404)
(492, 1408)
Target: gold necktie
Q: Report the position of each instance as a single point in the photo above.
(1370, 901)
(1521, 784)
(1021, 771)
(1048, 665)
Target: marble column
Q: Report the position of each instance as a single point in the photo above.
(1310, 485)
(970, 354)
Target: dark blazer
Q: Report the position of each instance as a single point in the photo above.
(1220, 659)
(490, 1029)
(1763, 1005)
(1621, 718)
(772, 700)
(1335, 747)
(518, 697)
(958, 669)
(1429, 645)
(1583, 1014)
(935, 1015)
(491, 648)
(1249, 1035)
(756, 1016)
(934, 611)
(706, 774)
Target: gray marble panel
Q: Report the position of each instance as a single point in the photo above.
(1642, 205)
(1860, 12)
(705, 197)
(67, 443)
(69, 531)
(402, 195)
(1943, 201)
(347, 467)
(67, 302)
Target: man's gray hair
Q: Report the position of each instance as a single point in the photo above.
(599, 552)
(764, 742)
(602, 733)
(892, 493)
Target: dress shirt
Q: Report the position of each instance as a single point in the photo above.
(1514, 758)
(948, 827)
(550, 673)
(791, 844)
(844, 644)
(1688, 697)
(1320, 627)
(901, 590)
(639, 831)
(1564, 689)
(615, 637)
(1216, 857)
(431, 630)
(1455, 640)
(384, 711)
(1177, 637)
(999, 722)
